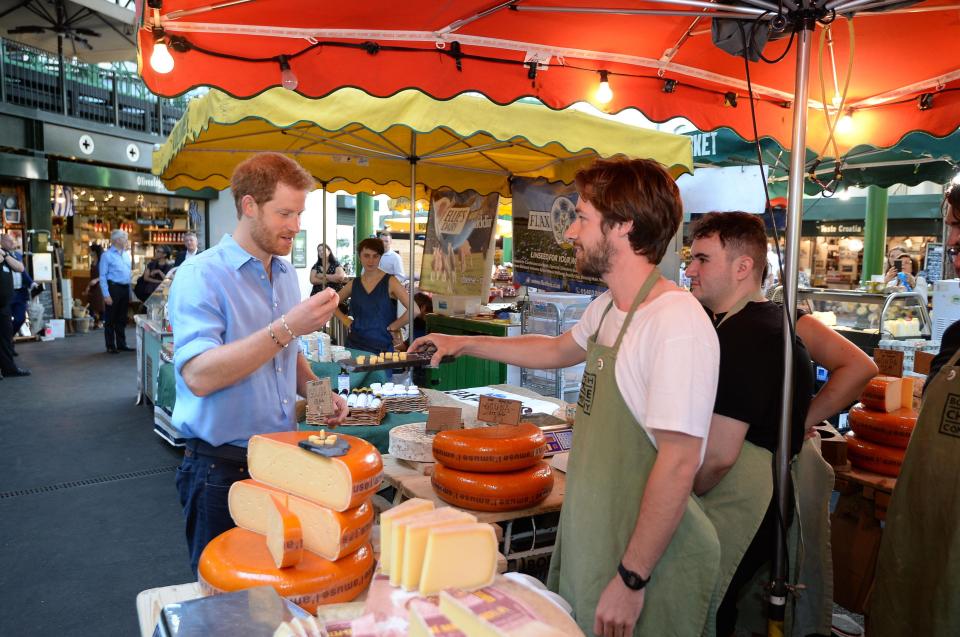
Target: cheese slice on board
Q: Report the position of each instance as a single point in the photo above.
(490, 612)
(493, 491)
(284, 534)
(412, 506)
(882, 393)
(426, 620)
(239, 559)
(328, 533)
(339, 483)
(416, 531)
(490, 449)
(459, 556)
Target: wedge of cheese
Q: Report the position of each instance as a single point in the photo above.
(883, 393)
(412, 506)
(426, 620)
(328, 533)
(459, 556)
(339, 483)
(415, 531)
(284, 534)
(491, 612)
(906, 392)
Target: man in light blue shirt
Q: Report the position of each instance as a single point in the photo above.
(115, 285)
(235, 311)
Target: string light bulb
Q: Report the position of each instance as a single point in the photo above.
(604, 93)
(160, 60)
(845, 124)
(288, 79)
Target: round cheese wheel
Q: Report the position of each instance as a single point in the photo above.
(882, 393)
(493, 449)
(873, 457)
(239, 559)
(493, 491)
(411, 442)
(890, 429)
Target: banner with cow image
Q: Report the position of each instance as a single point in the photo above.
(542, 258)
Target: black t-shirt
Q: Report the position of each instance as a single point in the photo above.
(6, 283)
(751, 374)
(949, 344)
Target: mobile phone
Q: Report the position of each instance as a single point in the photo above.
(898, 265)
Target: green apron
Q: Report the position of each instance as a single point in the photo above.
(917, 587)
(610, 461)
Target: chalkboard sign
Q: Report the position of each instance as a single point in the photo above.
(934, 262)
(46, 300)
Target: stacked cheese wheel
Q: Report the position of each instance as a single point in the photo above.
(881, 425)
(497, 468)
(304, 523)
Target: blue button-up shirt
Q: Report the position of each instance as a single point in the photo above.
(114, 268)
(220, 296)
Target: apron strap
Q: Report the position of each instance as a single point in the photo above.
(740, 304)
(953, 359)
(642, 295)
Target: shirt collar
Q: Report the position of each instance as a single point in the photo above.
(236, 256)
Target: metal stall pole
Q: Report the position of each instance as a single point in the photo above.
(413, 227)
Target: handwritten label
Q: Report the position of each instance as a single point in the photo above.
(501, 411)
(443, 418)
(922, 362)
(320, 398)
(890, 362)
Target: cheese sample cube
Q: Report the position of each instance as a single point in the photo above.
(412, 506)
(328, 533)
(459, 556)
(416, 530)
(339, 483)
(492, 613)
(882, 393)
(284, 535)
(426, 620)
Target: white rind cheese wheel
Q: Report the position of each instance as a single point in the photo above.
(411, 442)
(495, 449)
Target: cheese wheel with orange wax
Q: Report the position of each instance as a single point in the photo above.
(284, 535)
(873, 457)
(239, 559)
(493, 491)
(328, 533)
(493, 449)
(882, 393)
(339, 483)
(890, 429)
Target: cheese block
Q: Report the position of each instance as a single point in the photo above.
(493, 491)
(426, 620)
(339, 483)
(416, 530)
(495, 449)
(459, 556)
(882, 393)
(284, 534)
(411, 442)
(873, 457)
(239, 559)
(492, 613)
(412, 506)
(890, 429)
(328, 533)
(906, 392)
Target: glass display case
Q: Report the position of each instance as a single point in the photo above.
(552, 314)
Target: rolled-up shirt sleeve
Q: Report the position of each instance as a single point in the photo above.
(198, 321)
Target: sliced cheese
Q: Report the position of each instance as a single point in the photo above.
(416, 531)
(423, 521)
(284, 534)
(328, 533)
(906, 392)
(490, 449)
(412, 506)
(492, 613)
(426, 620)
(339, 483)
(239, 559)
(882, 393)
(459, 556)
(493, 491)
(300, 627)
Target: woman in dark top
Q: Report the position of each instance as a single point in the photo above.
(373, 324)
(94, 294)
(335, 275)
(154, 274)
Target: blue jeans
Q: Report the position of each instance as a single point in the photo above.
(204, 482)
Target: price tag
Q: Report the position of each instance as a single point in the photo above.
(320, 398)
(443, 418)
(501, 411)
(889, 362)
(922, 362)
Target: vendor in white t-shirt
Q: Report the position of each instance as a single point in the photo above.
(634, 553)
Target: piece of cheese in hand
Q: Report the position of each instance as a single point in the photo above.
(328, 533)
(882, 393)
(284, 534)
(339, 483)
(459, 556)
(412, 506)
(406, 552)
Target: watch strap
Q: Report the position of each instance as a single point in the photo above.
(631, 580)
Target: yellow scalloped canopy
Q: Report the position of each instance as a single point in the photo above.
(358, 143)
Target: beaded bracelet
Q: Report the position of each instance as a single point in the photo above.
(274, 337)
(283, 320)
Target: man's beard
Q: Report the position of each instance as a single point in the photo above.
(261, 236)
(596, 262)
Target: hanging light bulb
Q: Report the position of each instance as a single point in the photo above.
(288, 79)
(160, 60)
(604, 93)
(837, 100)
(845, 124)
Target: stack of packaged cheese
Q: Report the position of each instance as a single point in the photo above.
(304, 523)
(495, 468)
(881, 425)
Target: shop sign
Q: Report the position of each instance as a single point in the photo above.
(23, 166)
(159, 223)
(839, 229)
(299, 256)
(934, 262)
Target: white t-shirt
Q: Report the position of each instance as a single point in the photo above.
(668, 362)
(391, 263)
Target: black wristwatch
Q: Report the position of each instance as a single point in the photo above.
(632, 580)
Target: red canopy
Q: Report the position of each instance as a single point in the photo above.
(444, 48)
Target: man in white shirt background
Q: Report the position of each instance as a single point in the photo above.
(390, 262)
